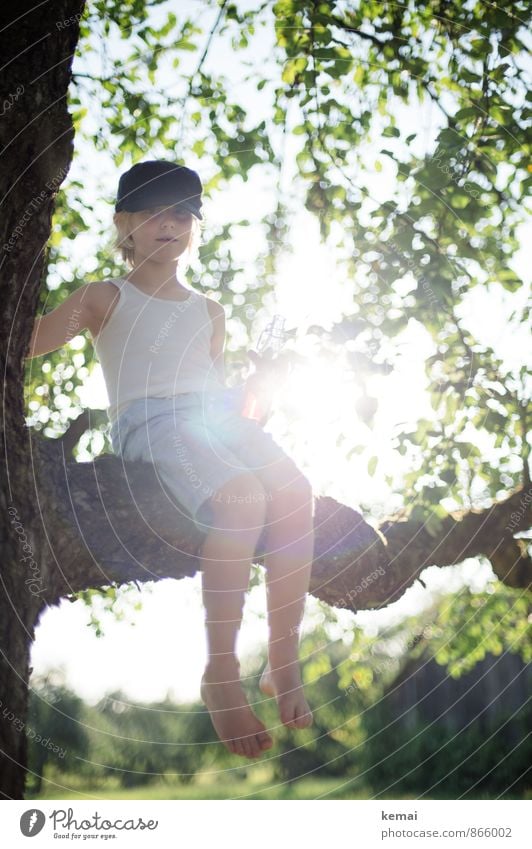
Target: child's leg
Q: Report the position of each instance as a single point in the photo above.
(226, 561)
(290, 546)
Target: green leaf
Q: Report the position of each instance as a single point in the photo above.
(450, 138)
(293, 68)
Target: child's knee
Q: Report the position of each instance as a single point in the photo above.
(240, 504)
(291, 494)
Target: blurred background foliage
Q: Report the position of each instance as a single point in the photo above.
(389, 722)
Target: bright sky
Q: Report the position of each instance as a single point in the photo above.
(138, 658)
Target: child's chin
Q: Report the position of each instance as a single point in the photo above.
(167, 255)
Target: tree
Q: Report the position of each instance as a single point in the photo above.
(69, 526)
(37, 149)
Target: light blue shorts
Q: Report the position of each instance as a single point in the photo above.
(197, 441)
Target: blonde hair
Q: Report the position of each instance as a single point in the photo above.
(125, 223)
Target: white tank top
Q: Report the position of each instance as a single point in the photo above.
(155, 347)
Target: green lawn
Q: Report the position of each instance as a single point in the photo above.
(311, 788)
(305, 789)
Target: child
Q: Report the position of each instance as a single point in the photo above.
(160, 344)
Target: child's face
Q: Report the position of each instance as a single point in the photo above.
(161, 233)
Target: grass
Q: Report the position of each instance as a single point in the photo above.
(308, 788)
(304, 789)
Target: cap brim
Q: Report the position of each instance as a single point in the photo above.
(125, 205)
(183, 204)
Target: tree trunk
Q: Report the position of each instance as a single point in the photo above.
(36, 135)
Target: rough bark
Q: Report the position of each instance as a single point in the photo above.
(36, 136)
(488, 533)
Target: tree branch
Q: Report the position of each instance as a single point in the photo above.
(113, 522)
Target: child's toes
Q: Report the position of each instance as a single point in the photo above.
(286, 715)
(250, 747)
(231, 745)
(238, 748)
(303, 720)
(254, 747)
(295, 714)
(265, 741)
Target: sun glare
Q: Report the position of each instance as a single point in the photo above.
(318, 394)
(315, 409)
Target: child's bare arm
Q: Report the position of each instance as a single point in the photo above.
(57, 328)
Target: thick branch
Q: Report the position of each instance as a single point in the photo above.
(485, 533)
(111, 521)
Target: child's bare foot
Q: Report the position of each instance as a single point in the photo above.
(234, 721)
(285, 684)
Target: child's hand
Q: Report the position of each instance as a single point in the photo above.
(267, 378)
(269, 369)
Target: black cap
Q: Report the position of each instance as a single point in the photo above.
(159, 183)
